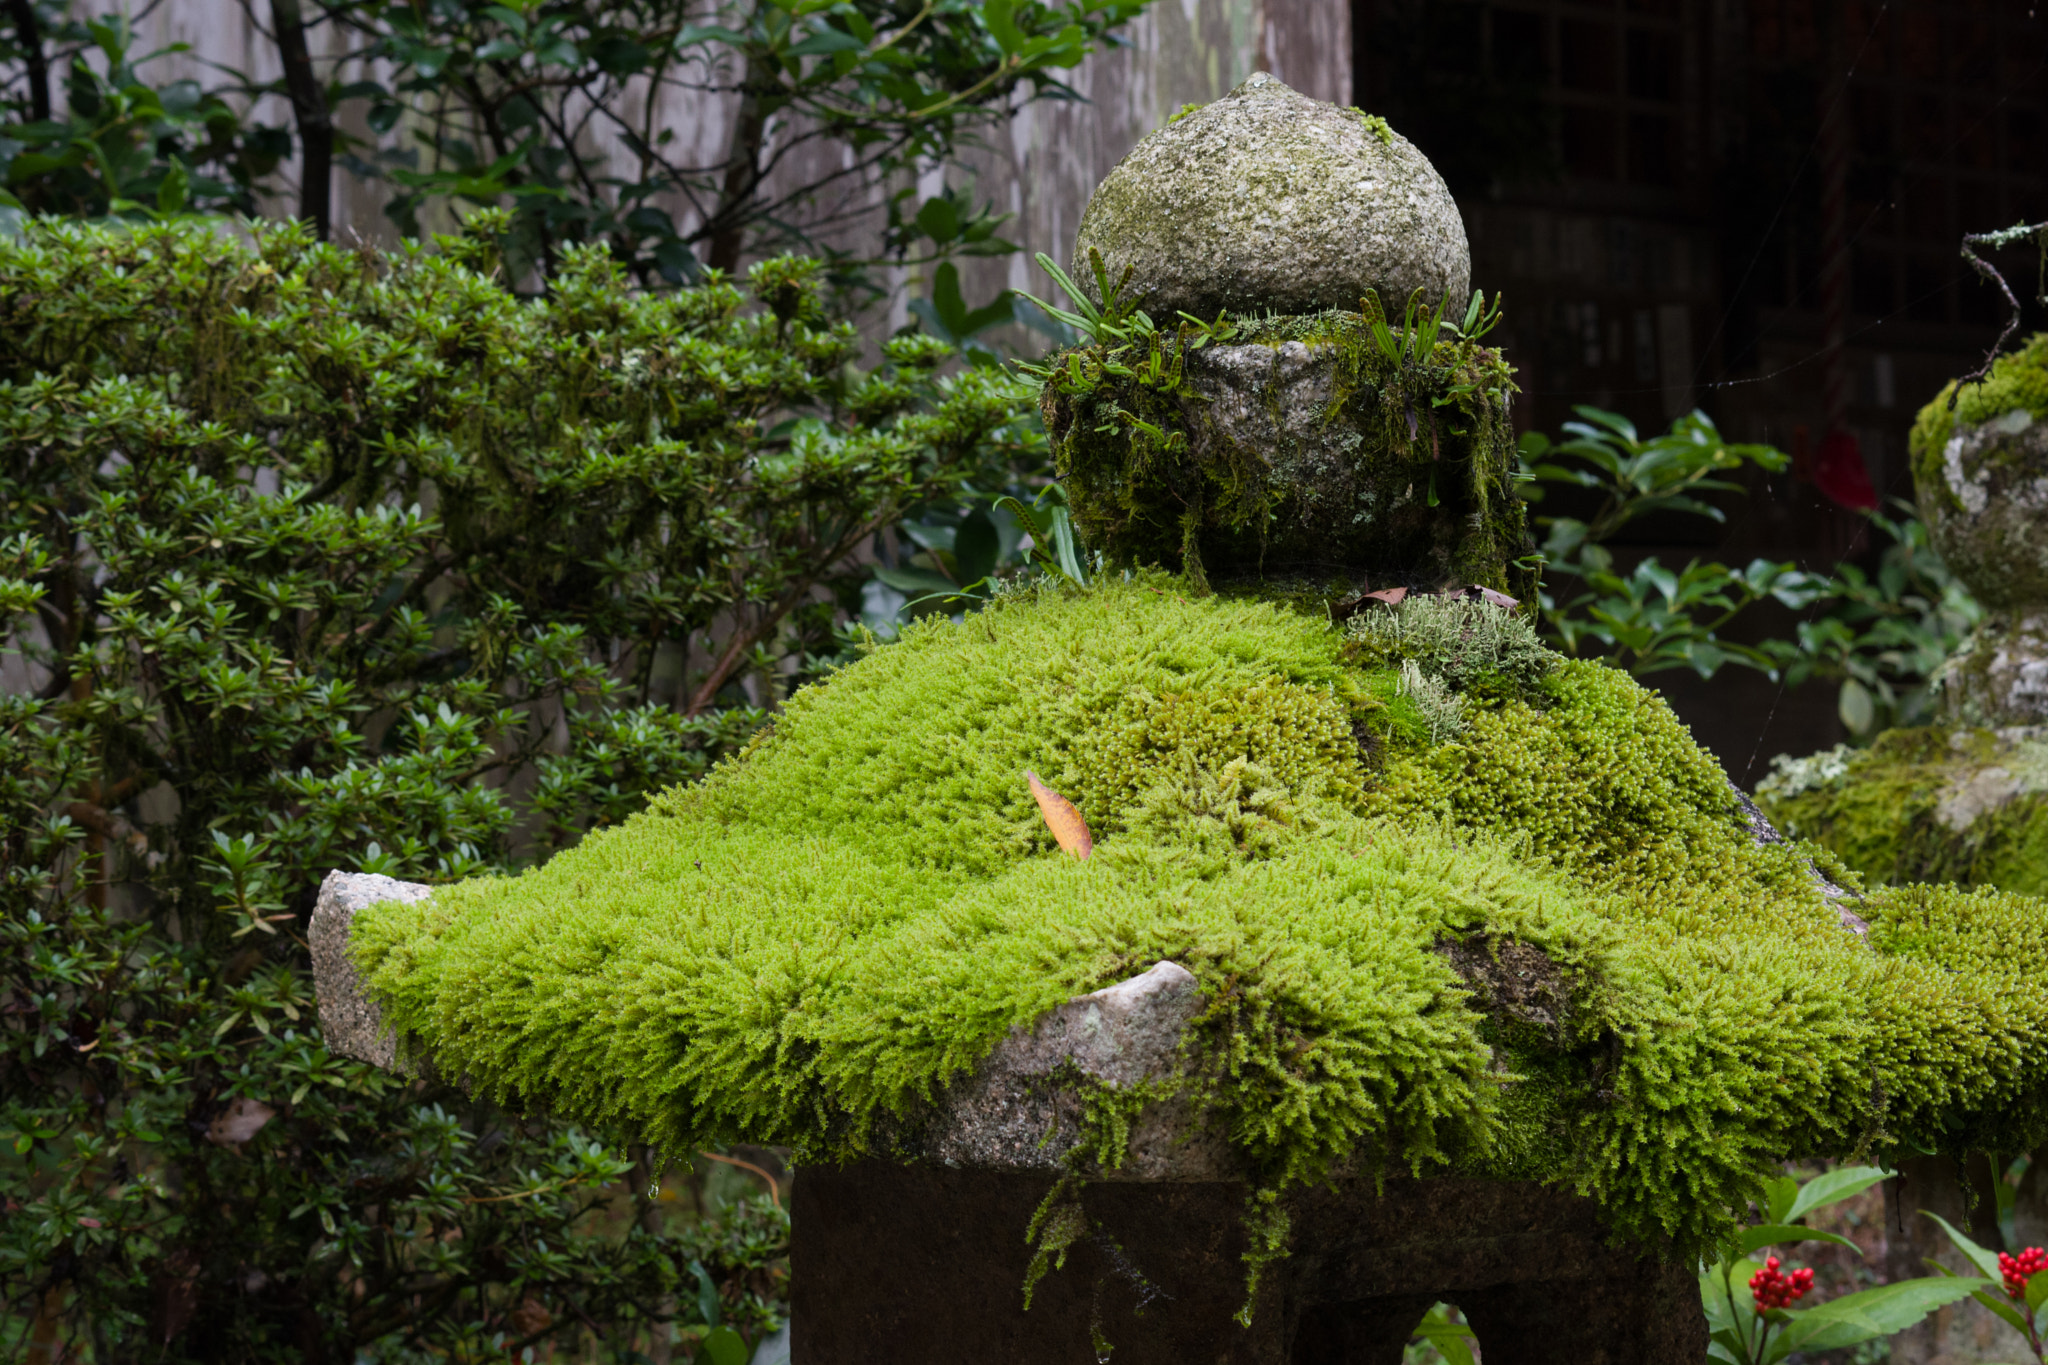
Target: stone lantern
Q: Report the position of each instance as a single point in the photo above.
(1964, 798)
(1980, 471)
(1396, 933)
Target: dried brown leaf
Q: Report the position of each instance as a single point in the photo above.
(1063, 818)
(240, 1121)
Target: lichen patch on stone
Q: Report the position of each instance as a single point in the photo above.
(1268, 200)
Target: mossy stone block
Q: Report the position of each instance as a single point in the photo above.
(810, 946)
(2000, 675)
(1927, 804)
(1296, 450)
(1267, 200)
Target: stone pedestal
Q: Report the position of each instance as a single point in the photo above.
(904, 1265)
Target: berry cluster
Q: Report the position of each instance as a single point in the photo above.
(2017, 1270)
(1774, 1289)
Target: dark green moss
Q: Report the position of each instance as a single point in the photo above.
(1293, 449)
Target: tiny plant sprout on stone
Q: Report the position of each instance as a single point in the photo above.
(1408, 963)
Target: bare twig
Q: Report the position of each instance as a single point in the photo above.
(774, 1192)
(2004, 237)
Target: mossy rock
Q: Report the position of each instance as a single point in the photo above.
(1294, 448)
(1981, 474)
(1269, 201)
(1930, 804)
(1999, 676)
(828, 928)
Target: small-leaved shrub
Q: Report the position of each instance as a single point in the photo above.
(314, 558)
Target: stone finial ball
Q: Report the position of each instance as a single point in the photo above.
(1980, 471)
(1267, 200)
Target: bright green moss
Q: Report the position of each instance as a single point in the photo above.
(2017, 383)
(860, 908)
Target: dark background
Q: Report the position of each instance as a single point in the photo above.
(1649, 182)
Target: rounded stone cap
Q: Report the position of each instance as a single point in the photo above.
(1267, 200)
(1980, 472)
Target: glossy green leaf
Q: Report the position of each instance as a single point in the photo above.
(1872, 1313)
(1768, 1235)
(1832, 1187)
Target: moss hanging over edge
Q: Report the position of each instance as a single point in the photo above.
(1354, 461)
(826, 931)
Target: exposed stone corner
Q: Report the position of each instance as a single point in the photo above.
(349, 1019)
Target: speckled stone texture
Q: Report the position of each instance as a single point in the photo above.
(1163, 1275)
(1267, 200)
(1019, 1111)
(1989, 520)
(349, 1019)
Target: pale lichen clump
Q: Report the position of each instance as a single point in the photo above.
(824, 932)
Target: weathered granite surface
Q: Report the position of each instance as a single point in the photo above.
(1020, 1110)
(1267, 200)
(1990, 525)
(1988, 517)
(1414, 522)
(349, 1019)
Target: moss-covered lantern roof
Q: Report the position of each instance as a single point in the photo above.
(1313, 820)
(1333, 824)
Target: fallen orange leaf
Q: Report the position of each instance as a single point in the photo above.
(1063, 818)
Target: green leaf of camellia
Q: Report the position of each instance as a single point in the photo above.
(1985, 1261)
(1858, 709)
(1777, 1234)
(1833, 1187)
(1873, 1313)
(722, 1346)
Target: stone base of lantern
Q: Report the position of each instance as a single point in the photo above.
(921, 1259)
(919, 1265)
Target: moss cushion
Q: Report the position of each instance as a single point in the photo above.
(859, 906)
